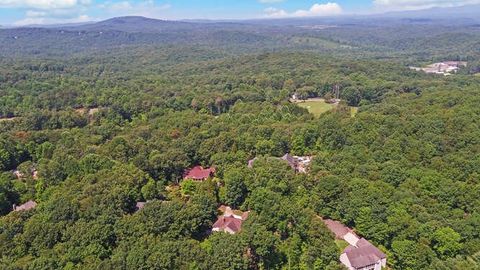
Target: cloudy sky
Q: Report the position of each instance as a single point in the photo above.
(24, 12)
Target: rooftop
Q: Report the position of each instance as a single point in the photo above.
(25, 207)
(364, 254)
(199, 173)
(140, 205)
(337, 228)
(229, 224)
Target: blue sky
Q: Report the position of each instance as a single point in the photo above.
(24, 12)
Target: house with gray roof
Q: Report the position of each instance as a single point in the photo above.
(360, 254)
(25, 207)
(363, 256)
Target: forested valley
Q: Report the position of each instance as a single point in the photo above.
(88, 130)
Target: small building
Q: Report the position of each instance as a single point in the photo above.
(35, 175)
(298, 163)
(443, 68)
(198, 173)
(230, 221)
(251, 161)
(25, 207)
(18, 174)
(140, 205)
(303, 163)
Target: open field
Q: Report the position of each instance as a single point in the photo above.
(316, 106)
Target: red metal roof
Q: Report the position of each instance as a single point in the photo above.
(228, 223)
(199, 173)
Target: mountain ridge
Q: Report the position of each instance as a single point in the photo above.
(468, 12)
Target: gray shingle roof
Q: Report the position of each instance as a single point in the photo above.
(364, 254)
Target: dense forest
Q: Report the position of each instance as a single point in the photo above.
(92, 126)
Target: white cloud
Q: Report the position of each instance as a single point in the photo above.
(49, 11)
(43, 4)
(146, 8)
(35, 13)
(328, 9)
(270, 1)
(420, 4)
(51, 20)
(275, 12)
(74, 11)
(125, 5)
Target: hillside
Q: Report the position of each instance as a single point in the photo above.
(367, 37)
(136, 143)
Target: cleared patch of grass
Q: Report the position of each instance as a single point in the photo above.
(316, 107)
(341, 244)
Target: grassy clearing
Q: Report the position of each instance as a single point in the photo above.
(316, 107)
(341, 244)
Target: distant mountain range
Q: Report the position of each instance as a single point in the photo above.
(465, 12)
(444, 31)
(452, 15)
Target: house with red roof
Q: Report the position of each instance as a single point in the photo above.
(229, 225)
(198, 173)
(230, 221)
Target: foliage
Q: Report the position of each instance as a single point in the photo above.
(120, 124)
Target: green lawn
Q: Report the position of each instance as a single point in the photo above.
(341, 244)
(316, 107)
